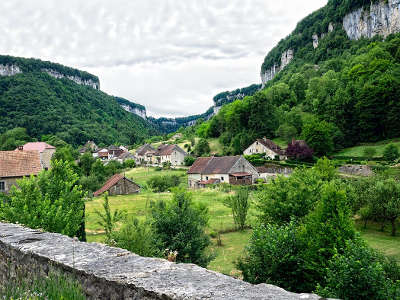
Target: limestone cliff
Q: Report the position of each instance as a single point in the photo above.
(134, 110)
(269, 74)
(9, 70)
(381, 18)
(76, 79)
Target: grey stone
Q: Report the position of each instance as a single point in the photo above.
(112, 273)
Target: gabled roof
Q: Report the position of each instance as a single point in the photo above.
(271, 145)
(19, 163)
(213, 165)
(37, 146)
(125, 155)
(110, 183)
(164, 150)
(113, 148)
(142, 150)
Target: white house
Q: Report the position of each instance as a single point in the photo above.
(266, 146)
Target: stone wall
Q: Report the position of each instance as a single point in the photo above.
(112, 273)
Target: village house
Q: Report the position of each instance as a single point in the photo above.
(90, 146)
(103, 154)
(234, 170)
(266, 146)
(172, 154)
(144, 153)
(270, 171)
(45, 150)
(118, 185)
(17, 164)
(125, 156)
(114, 151)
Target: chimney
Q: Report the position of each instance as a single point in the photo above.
(20, 148)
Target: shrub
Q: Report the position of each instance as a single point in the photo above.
(161, 184)
(179, 226)
(359, 273)
(391, 152)
(240, 205)
(129, 163)
(189, 160)
(202, 148)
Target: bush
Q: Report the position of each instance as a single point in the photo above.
(359, 273)
(129, 163)
(391, 152)
(202, 148)
(189, 160)
(161, 184)
(179, 226)
(240, 205)
(137, 237)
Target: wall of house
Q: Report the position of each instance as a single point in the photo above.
(257, 147)
(123, 187)
(193, 179)
(111, 273)
(45, 157)
(9, 182)
(243, 165)
(177, 158)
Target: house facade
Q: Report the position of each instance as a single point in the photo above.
(45, 150)
(118, 185)
(15, 165)
(261, 146)
(145, 153)
(172, 154)
(234, 170)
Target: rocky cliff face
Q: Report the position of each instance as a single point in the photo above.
(382, 18)
(9, 70)
(135, 110)
(269, 74)
(76, 79)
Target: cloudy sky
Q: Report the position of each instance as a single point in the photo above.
(172, 56)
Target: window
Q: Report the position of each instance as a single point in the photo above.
(206, 177)
(222, 178)
(2, 186)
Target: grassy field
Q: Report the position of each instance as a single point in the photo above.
(359, 150)
(141, 175)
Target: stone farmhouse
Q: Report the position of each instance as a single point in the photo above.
(118, 185)
(45, 150)
(266, 146)
(234, 170)
(172, 154)
(145, 153)
(17, 164)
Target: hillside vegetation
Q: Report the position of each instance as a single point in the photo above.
(72, 112)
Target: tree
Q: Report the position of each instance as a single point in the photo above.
(299, 151)
(240, 205)
(109, 220)
(189, 160)
(52, 201)
(318, 136)
(391, 152)
(179, 226)
(287, 132)
(202, 148)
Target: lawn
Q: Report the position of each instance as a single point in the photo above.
(141, 175)
(358, 151)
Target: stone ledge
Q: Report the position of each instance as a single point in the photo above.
(113, 273)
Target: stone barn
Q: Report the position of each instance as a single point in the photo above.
(118, 185)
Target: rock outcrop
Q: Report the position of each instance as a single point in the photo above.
(316, 39)
(269, 74)
(9, 70)
(135, 110)
(111, 273)
(76, 79)
(382, 18)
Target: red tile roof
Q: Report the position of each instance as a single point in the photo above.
(110, 182)
(37, 146)
(19, 163)
(164, 150)
(213, 165)
(141, 151)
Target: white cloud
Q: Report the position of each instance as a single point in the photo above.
(172, 56)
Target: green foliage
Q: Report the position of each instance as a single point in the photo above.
(108, 220)
(179, 226)
(52, 201)
(369, 152)
(129, 163)
(318, 136)
(13, 138)
(240, 204)
(391, 152)
(202, 148)
(287, 132)
(189, 160)
(137, 237)
(359, 273)
(54, 286)
(288, 197)
(161, 183)
(69, 111)
(272, 256)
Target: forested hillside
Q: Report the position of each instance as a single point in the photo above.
(339, 94)
(74, 113)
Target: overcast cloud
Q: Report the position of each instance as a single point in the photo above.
(172, 56)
